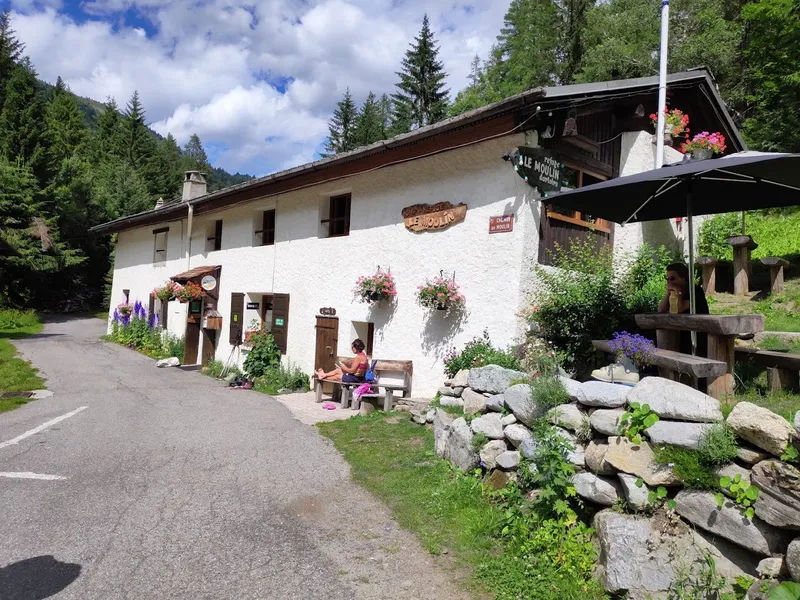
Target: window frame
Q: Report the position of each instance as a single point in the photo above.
(157, 233)
(578, 218)
(217, 237)
(267, 233)
(332, 221)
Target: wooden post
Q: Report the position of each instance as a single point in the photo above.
(775, 265)
(709, 265)
(743, 245)
(721, 347)
(782, 379)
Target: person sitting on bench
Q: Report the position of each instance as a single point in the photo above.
(678, 282)
(352, 371)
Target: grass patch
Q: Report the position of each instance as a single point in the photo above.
(781, 311)
(688, 467)
(101, 314)
(16, 375)
(776, 344)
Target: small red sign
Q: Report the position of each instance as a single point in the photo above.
(502, 224)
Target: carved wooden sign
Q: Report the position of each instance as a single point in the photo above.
(422, 217)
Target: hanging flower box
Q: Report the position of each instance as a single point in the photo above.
(190, 292)
(676, 124)
(440, 294)
(124, 309)
(704, 145)
(167, 292)
(375, 288)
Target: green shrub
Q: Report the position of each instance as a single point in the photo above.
(281, 377)
(548, 391)
(717, 446)
(172, 345)
(264, 353)
(687, 467)
(643, 283)
(713, 237)
(478, 353)
(12, 319)
(539, 358)
(777, 232)
(218, 369)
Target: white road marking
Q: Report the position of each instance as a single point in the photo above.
(42, 427)
(29, 475)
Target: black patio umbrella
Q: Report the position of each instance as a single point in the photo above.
(737, 182)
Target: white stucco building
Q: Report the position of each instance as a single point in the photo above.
(285, 246)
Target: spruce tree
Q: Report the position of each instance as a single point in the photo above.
(385, 106)
(421, 92)
(369, 123)
(139, 142)
(109, 134)
(66, 130)
(22, 121)
(10, 51)
(342, 127)
(194, 155)
(170, 163)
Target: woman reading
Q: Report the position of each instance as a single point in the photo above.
(349, 371)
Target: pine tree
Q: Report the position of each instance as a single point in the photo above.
(421, 93)
(342, 127)
(139, 143)
(194, 154)
(385, 106)
(369, 123)
(475, 71)
(22, 121)
(10, 51)
(170, 167)
(109, 135)
(66, 130)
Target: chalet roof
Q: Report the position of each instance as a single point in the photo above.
(192, 273)
(471, 127)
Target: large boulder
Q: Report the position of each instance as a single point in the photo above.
(448, 391)
(729, 522)
(499, 479)
(459, 449)
(678, 433)
(596, 458)
(672, 400)
(496, 403)
(490, 452)
(771, 568)
(508, 420)
(750, 454)
(450, 401)
(644, 557)
(793, 559)
(492, 379)
(637, 497)
(489, 425)
(603, 395)
(473, 402)
(568, 416)
(600, 490)
(778, 501)
(606, 421)
(519, 400)
(639, 460)
(521, 438)
(508, 460)
(442, 423)
(461, 379)
(762, 427)
(574, 388)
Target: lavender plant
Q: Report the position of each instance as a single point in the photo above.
(634, 346)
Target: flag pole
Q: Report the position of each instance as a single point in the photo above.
(662, 84)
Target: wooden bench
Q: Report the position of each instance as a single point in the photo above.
(782, 367)
(390, 376)
(676, 362)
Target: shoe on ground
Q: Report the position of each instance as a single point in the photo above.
(623, 372)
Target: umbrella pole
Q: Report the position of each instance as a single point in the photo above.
(691, 263)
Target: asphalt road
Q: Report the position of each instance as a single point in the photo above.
(169, 485)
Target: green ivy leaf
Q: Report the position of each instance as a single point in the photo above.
(662, 491)
(737, 478)
(752, 492)
(750, 513)
(725, 481)
(635, 405)
(720, 499)
(651, 497)
(636, 439)
(645, 408)
(650, 420)
(671, 504)
(788, 590)
(639, 482)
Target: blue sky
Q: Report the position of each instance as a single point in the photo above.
(257, 81)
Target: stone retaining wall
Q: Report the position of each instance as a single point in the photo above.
(640, 553)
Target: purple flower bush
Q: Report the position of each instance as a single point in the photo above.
(636, 347)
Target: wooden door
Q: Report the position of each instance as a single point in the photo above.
(236, 326)
(192, 343)
(327, 343)
(209, 345)
(280, 321)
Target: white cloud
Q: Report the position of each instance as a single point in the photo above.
(206, 66)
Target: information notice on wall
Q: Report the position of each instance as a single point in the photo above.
(502, 224)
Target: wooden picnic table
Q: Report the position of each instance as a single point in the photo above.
(722, 332)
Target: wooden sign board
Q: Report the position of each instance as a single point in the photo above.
(540, 168)
(253, 305)
(423, 217)
(328, 312)
(502, 224)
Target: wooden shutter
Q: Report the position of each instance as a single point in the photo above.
(164, 313)
(280, 320)
(237, 318)
(151, 306)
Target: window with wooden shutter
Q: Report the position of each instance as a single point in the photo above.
(338, 220)
(267, 231)
(160, 245)
(151, 306)
(280, 320)
(237, 318)
(214, 240)
(164, 313)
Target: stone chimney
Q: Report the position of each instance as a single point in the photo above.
(159, 203)
(194, 185)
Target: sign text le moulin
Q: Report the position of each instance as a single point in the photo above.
(540, 168)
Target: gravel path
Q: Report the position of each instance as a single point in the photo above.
(177, 487)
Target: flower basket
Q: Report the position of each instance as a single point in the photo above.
(636, 347)
(125, 309)
(189, 293)
(676, 123)
(167, 292)
(704, 145)
(375, 288)
(440, 294)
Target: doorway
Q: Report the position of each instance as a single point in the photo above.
(327, 343)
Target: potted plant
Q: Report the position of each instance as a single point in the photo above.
(124, 309)
(676, 124)
(440, 294)
(167, 292)
(632, 346)
(190, 292)
(704, 145)
(375, 288)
